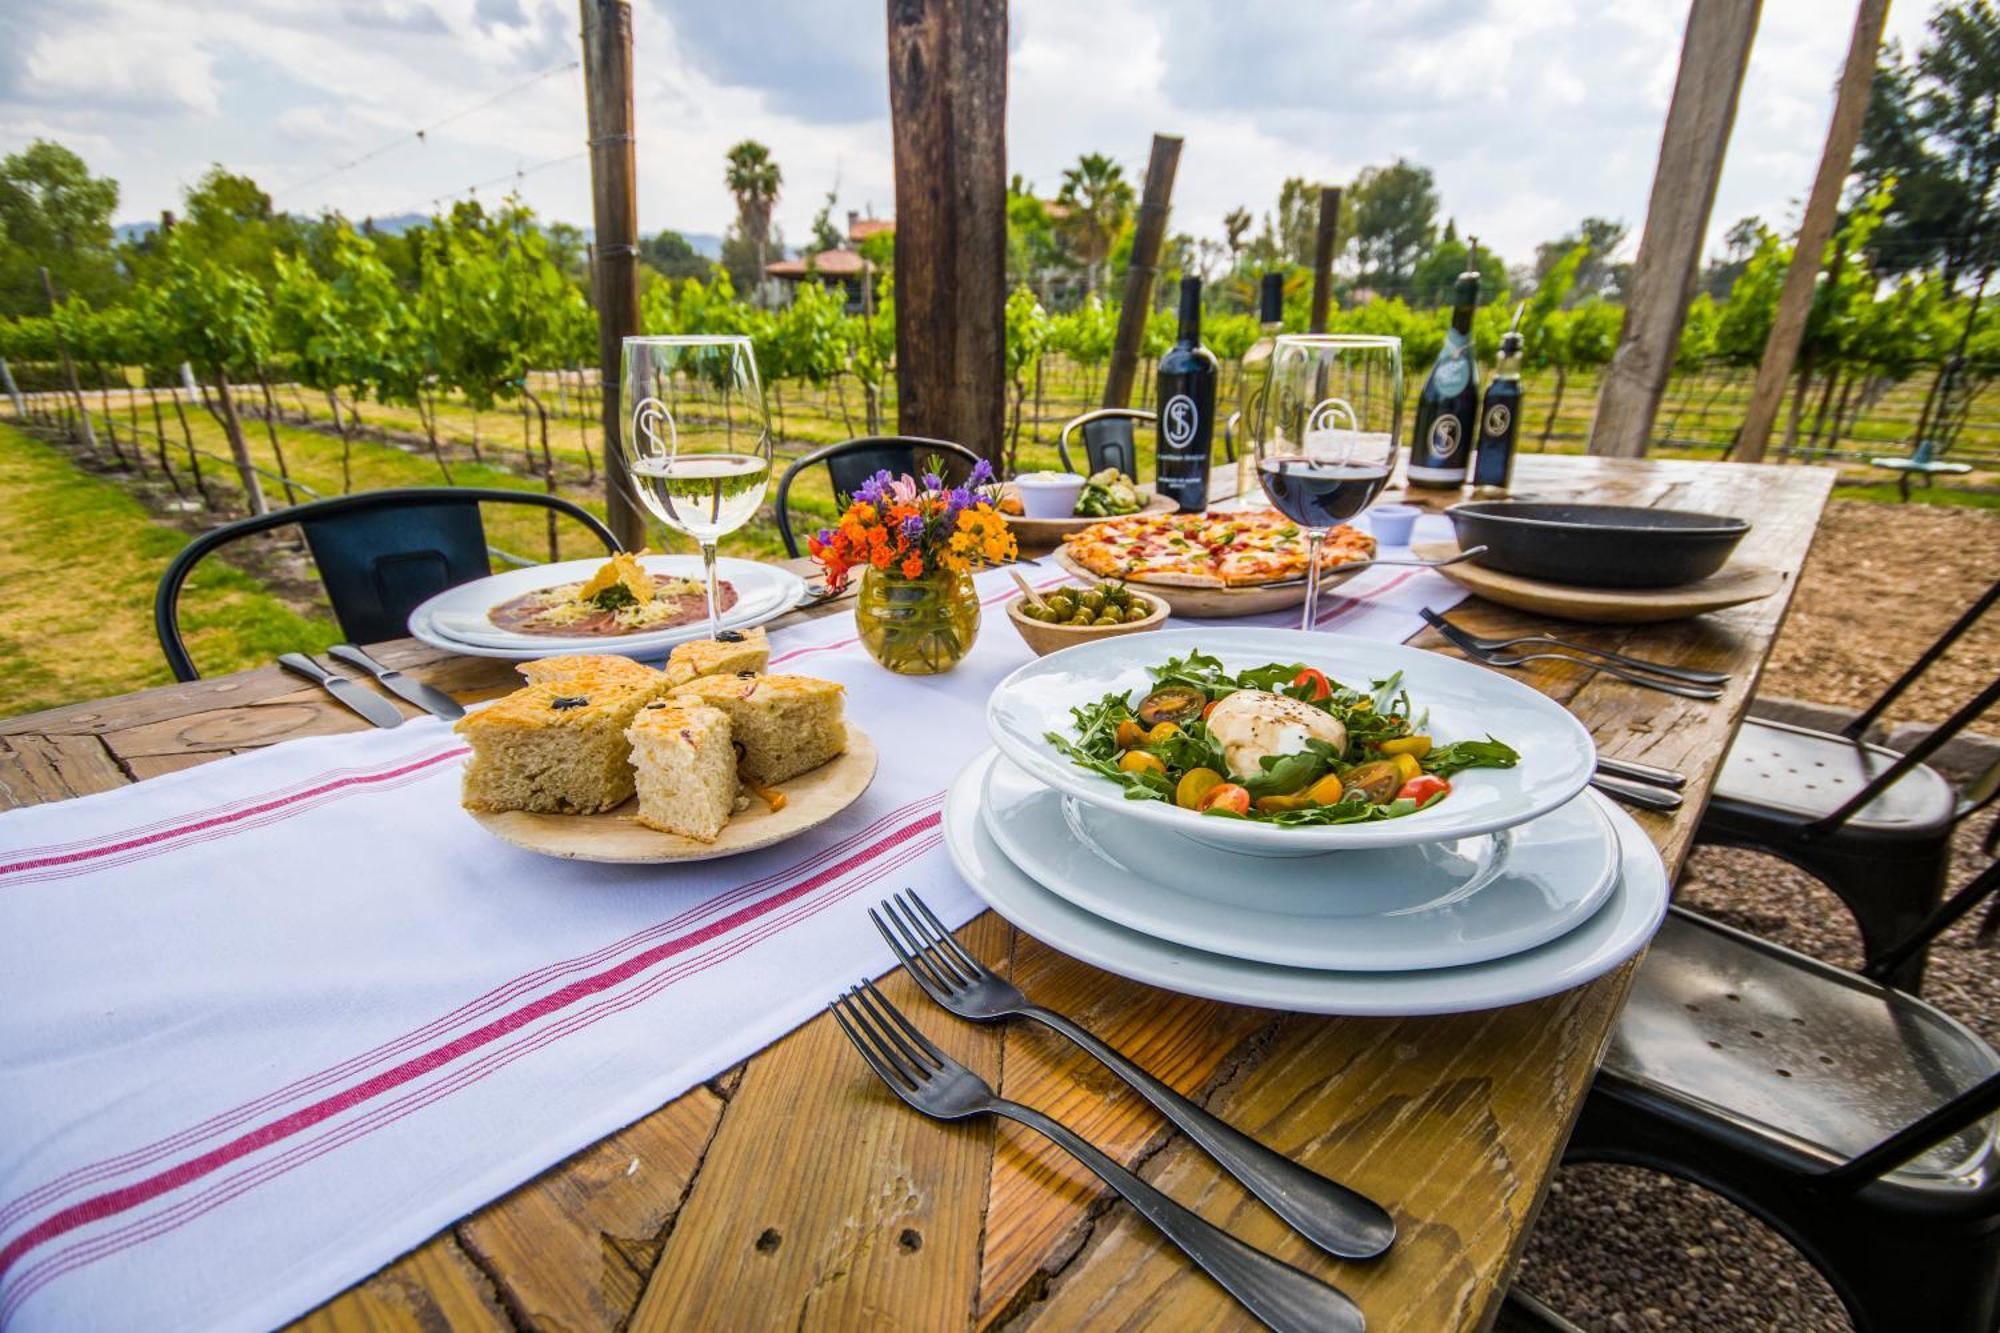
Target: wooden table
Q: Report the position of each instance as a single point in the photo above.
(792, 1191)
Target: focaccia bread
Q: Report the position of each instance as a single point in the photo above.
(607, 667)
(558, 747)
(719, 657)
(782, 725)
(685, 767)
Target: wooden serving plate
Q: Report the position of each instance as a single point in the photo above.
(1733, 585)
(615, 837)
(1041, 533)
(1219, 603)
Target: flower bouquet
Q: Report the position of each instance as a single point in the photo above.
(916, 542)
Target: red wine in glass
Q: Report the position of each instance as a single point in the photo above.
(1318, 495)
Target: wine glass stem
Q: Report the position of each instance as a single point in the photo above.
(708, 568)
(1314, 536)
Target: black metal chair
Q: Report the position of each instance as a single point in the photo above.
(1872, 825)
(1107, 439)
(1851, 1117)
(852, 462)
(380, 555)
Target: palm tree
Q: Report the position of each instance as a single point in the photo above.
(754, 179)
(1235, 224)
(1099, 200)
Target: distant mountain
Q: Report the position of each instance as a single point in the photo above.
(706, 244)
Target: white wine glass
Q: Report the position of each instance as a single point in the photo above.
(696, 438)
(1327, 431)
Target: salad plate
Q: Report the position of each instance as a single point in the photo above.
(1505, 752)
(1616, 931)
(1440, 904)
(459, 619)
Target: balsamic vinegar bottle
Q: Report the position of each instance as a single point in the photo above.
(1500, 417)
(1186, 399)
(1448, 408)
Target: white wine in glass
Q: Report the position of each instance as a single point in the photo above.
(696, 438)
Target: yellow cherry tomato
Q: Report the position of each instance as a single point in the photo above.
(1129, 734)
(1406, 765)
(1326, 791)
(1411, 745)
(1195, 784)
(1138, 761)
(1161, 732)
(1272, 805)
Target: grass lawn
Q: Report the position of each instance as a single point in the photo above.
(80, 557)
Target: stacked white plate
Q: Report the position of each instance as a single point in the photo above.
(458, 619)
(1519, 884)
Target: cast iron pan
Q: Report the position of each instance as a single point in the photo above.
(1597, 546)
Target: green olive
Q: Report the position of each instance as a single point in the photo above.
(1033, 612)
(1134, 614)
(1062, 604)
(1092, 601)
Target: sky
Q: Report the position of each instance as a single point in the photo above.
(1532, 113)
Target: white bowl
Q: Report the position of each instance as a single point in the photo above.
(1049, 494)
(1464, 702)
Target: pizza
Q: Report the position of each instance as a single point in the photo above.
(1223, 550)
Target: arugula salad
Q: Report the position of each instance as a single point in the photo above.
(1280, 744)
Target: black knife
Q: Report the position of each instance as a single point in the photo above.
(427, 697)
(353, 694)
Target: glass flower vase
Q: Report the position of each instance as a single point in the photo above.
(917, 626)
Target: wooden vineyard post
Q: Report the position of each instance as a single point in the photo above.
(1788, 326)
(1714, 51)
(948, 111)
(1148, 237)
(607, 90)
(1323, 248)
(69, 367)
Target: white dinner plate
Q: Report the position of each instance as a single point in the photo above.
(456, 619)
(1463, 702)
(1438, 904)
(1613, 934)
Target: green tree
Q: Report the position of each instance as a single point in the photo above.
(671, 256)
(1435, 278)
(1395, 222)
(1597, 277)
(1098, 201)
(754, 179)
(827, 234)
(54, 214)
(218, 317)
(1028, 329)
(1235, 226)
(336, 331)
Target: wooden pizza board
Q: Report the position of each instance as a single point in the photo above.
(1733, 585)
(810, 800)
(1041, 533)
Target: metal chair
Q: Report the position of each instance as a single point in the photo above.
(1872, 825)
(1107, 439)
(852, 462)
(380, 554)
(1851, 1117)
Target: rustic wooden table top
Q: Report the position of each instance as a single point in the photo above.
(793, 1191)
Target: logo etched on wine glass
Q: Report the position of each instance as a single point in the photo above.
(1446, 436)
(646, 418)
(1178, 421)
(1498, 419)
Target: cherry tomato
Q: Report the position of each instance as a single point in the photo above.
(1129, 734)
(1317, 680)
(1195, 784)
(1228, 798)
(1161, 732)
(1423, 787)
(1138, 761)
(1210, 709)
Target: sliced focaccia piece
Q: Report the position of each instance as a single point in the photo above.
(685, 768)
(782, 725)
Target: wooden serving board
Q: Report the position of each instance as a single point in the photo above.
(1042, 533)
(1734, 585)
(615, 837)
(1219, 603)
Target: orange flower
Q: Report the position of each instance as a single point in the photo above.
(913, 566)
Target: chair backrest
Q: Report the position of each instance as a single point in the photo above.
(1108, 439)
(380, 555)
(852, 462)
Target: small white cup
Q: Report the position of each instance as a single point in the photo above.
(1048, 494)
(1392, 524)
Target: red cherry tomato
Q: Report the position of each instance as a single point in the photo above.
(1423, 787)
(1210, 709)
(1227, 797)
(1317, 680)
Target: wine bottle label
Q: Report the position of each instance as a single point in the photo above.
(1498, 420)
(1179, 421)
(1447, 434)
(1454, 364)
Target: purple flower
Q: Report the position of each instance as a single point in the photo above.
(982, 473)
(933, 482)
(958, 501)
(913, 527)
(872, 489)
(826, 536)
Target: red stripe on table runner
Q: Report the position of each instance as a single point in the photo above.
(91, 1173)
(218, 820)
(49, 1268)
(1355, 602)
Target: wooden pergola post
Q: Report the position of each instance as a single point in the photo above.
(607, 90)
(948, 112)
(1323, 247)
(1715, 50)
(1788, 327)
(1148, 237)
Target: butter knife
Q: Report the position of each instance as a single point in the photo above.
(427, 697)
(355, 696)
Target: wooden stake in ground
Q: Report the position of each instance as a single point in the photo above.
(607, 85)
(69, 366)
(1147, 238)
(1714, 52)
(948, 111)
(1788, 327)
(239, 448)
(1323, 248)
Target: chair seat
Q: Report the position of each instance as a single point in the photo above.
(1783, 1045)
(1797, 771)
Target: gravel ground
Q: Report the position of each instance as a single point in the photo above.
(1623, 1248)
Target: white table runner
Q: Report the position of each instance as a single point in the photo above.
(268, 1023)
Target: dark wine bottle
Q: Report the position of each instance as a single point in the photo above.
(1500, 417)
(1186, 400)
(1448, 408)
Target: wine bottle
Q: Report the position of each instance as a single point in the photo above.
(1449, 405)
(1187, 409)
(1500, 417)
(1253, 377)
